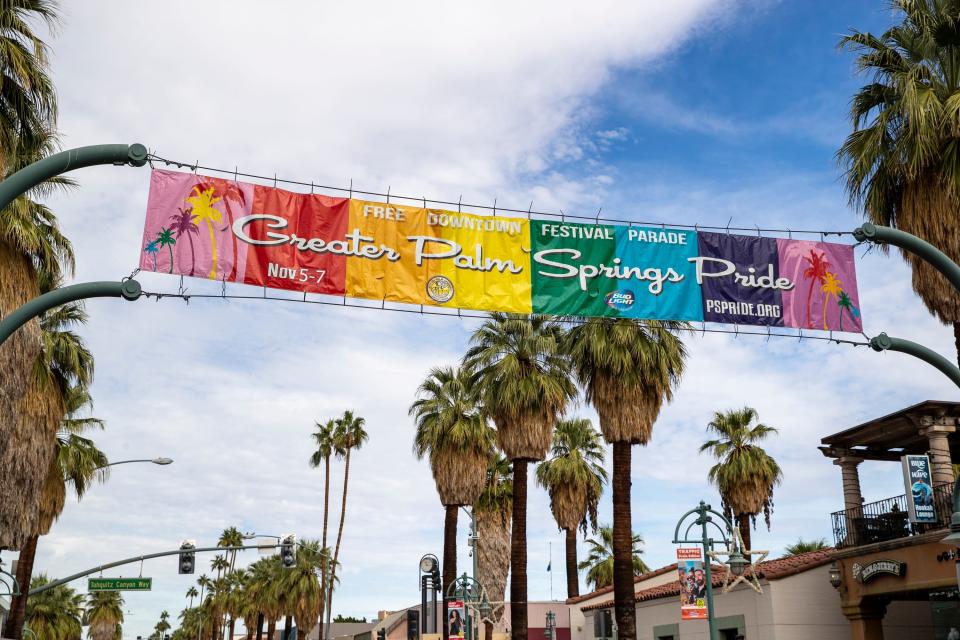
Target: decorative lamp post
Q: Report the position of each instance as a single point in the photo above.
(473, 595)
(704, 519)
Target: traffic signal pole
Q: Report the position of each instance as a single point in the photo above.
(118, 563)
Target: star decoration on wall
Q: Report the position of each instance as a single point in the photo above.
(749, 574)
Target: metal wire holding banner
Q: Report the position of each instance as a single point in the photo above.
(496, 208)
(461, 314)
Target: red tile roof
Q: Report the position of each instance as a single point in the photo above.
(770, 570)
(639, 578)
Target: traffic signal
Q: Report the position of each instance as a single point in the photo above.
(187, 557)
(288, 552)
(413, 624)
(382, 634)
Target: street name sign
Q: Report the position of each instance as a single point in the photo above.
(119, 584)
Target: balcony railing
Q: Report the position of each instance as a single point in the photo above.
(888, 519)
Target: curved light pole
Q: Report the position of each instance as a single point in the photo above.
(159, 461)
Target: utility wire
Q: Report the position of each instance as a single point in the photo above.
(529, 212)
(701, 328)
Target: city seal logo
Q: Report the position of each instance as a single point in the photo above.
(440, 289)
(621, 300)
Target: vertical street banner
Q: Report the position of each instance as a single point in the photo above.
(230, 231)
(918, 484)
(693, 583)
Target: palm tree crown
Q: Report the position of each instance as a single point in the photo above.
(453, 432)
(523, 379)
(574, 474)
(902, 160)
(104, 615)
(745, 474)
(599, 562)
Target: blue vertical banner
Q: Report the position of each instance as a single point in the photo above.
(918, 482)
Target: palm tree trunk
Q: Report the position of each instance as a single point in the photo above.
(625, 604)
(18, 606)
(743, 523)
(324, 568)
(260, 626)
(956, 338)
(518, 553)
(573, 578)
(449, 559)
(336, 552)
(287, 622)
(271, 628)
(233, 626)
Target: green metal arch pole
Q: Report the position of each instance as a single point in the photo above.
(30, 176)
(134, 155)
(128, 290)
(110, 565)
(942, 263)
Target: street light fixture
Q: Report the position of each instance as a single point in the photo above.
(835, 578)
(160, 461)
(737, 563)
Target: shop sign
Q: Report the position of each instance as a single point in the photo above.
(867, 572)
(918, 484)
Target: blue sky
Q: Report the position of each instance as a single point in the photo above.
(695, 111)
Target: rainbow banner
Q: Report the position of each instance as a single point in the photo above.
(232, 231)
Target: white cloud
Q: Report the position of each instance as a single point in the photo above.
(437, 98)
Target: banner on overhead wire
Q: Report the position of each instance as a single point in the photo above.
(233, 231)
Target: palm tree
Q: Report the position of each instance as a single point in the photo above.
(219, 563)
(183, 225)
(493, 511)
(56, 397)
(301, 585)
(104, 615)
(574, 476)
(627, 369)
(34, 255)
(600, 561)
(231, 537)
(264, 591)
(900, 159)
(56, 613)
(28, 104)
(324, 441)
(524, 385)
(202, 202)
(348, 435)
(164, 625)
(744, 474)
(192, 593)
(453, 432)
(805, 546)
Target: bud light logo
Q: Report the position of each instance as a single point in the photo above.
(621, 300)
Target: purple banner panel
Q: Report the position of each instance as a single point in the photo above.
(824, 295)
(740, 279)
